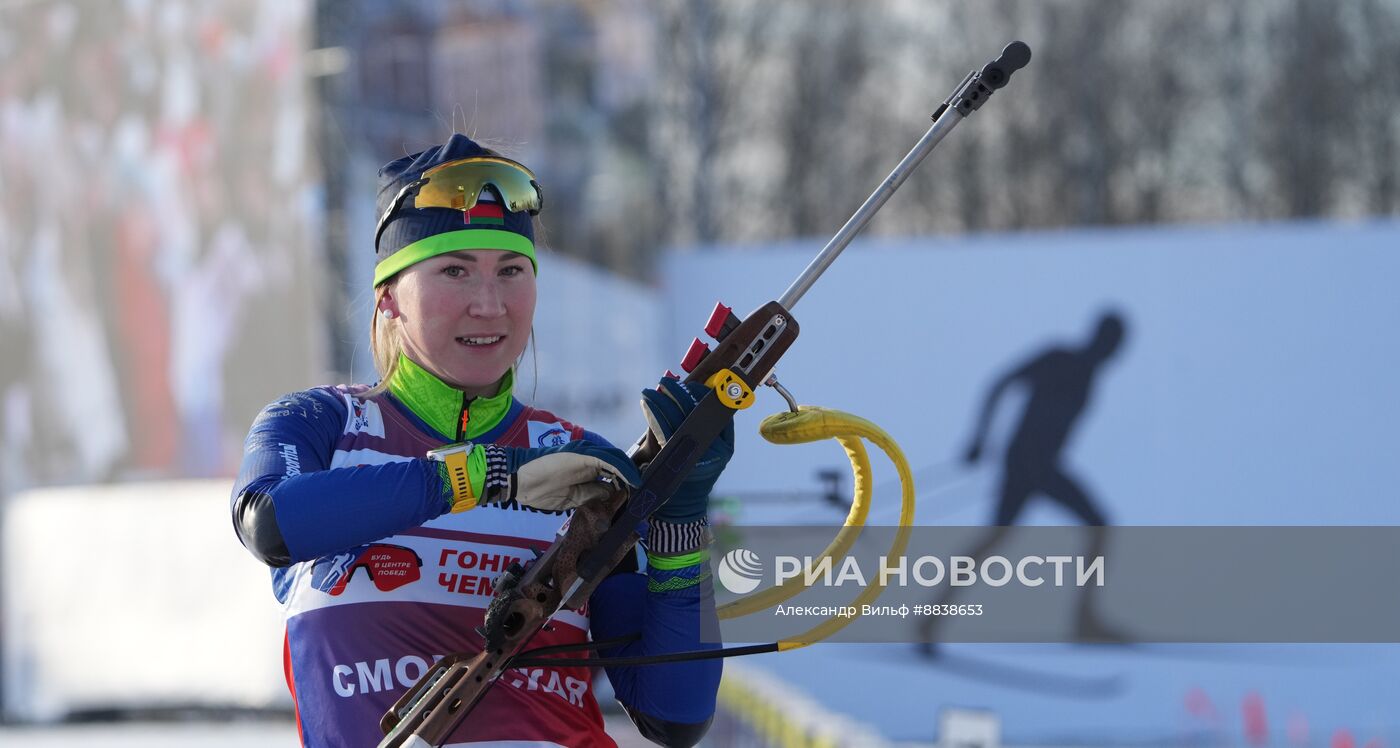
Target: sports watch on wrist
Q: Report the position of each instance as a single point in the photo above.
(454, 458)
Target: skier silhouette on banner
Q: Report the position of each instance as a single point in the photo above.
(1059, 382)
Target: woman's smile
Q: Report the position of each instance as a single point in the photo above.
(481, 341)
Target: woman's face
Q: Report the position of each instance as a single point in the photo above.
(465, 316)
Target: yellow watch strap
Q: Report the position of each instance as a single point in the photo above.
(459, 478)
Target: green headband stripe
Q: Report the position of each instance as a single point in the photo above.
(452, 241)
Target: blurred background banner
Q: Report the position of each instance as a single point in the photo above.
(186, 212)
(163, 621)
(160, 268)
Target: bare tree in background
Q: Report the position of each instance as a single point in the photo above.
(761, 123)
(1378, 109)
(705, 55)
(769, 121)
(1131, 112)
(1309, 107)
(829, 55)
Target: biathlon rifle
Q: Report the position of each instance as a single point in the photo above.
(599, 535)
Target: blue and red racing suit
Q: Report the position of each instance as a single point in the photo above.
(376, 581)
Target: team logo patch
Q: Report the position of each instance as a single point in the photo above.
(365, 418)
(548, 434)
(389, 567)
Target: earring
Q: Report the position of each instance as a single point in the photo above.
(386, 313)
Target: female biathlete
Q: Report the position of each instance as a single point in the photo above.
(383, 555)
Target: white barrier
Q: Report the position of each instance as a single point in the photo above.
(133, 596)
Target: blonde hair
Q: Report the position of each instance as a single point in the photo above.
(385, 345)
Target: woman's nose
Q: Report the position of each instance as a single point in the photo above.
(487, 300)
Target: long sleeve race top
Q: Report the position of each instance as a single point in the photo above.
(377, 581)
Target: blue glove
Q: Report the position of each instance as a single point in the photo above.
(665, 407)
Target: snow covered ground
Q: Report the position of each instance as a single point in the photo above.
(1107, 695)
(261, 734)
(123, 735)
